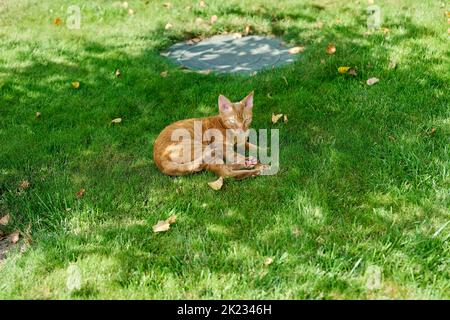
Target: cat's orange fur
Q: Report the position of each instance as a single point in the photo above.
(235, 116)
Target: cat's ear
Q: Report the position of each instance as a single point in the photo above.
(224, 104)
(248, 100)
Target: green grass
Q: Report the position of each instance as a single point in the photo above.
(363, 181)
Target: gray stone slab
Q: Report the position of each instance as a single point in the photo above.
(228, 53)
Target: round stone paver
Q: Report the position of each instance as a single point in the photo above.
(228, 53)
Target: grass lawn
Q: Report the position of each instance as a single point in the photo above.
(364, 180)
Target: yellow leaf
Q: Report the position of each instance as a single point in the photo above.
(296, 50)
(168, 26)
(130, 12)
(164, 74)
(5, 220)
(216, 185)
(116, 120)
(202, 4)
(276, 117)
(38, 114)
(248, 29)
(57, 21)
(75, 84)
(161, 226)
(343, 69)
(285, 118)
(167, 5)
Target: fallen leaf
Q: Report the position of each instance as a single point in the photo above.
(207, 71)
(432, 131)
(372, 81)
(164, 74)
(322, 61)
(268, 261)
(167, 5)
(168, 26)
(392, 138)
(57, 21)
(296, 232)
(24, 185)
(248, 29)
(343, 69)
(276, 117)
(130, 12)
(193, 41)
(125, 5)
(296, 50)
(161, 226)
(202, 4)
(285, 118)
(38, 114)
(216, 185)
(117, 73)
(331, 48)
(386, 30)
(75, 84)
(392, 64)
(5, 220)
(14, 237)
(213, 19)
(80, 193)
(352, 72)
(171, 219)
(116, 120)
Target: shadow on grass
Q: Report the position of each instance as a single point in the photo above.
(356, 164)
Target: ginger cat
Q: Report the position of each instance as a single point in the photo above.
(205, 139)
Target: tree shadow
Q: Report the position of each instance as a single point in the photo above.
(333, 203)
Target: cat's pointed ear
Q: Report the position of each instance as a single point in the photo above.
(224, 104)
(248, 100)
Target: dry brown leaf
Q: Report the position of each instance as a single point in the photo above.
(14, 237)
(296, 50)
(248, 29)
(38, 115)
(268, 261)
(285, 118)
(171, 219)
(213, 19)
(331, 48)
(276, 117)
(352, 72)
(202, 4)
(164, 74)
(5, 220)
(75, 84)
(216, 185)
(392, 64)
(57, 22)
(80, 193)
(432, 131)
(116, 120)
(168, 26)
(193, 41)
(24, 185)
(161, 226)
(207, 71)
(372, 81)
